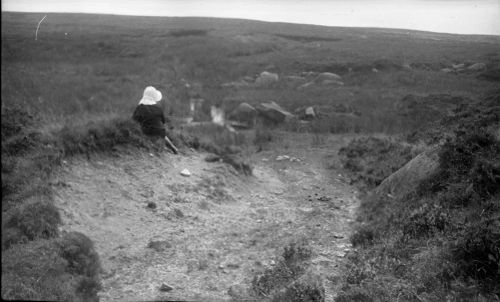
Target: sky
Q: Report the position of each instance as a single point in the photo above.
(447, 16)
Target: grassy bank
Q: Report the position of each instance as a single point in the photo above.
(440, 240)
(69, 266)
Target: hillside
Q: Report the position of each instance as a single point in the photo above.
(98, 64)
(92, 210)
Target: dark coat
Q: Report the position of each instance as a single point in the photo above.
(151, 119)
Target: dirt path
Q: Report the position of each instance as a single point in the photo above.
(210, 230)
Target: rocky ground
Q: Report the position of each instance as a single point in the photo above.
(161, 235)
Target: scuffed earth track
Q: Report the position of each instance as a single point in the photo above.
(210, 230)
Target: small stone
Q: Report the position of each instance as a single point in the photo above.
(185, 173)
(340, 254)
(232, 265)
(165, 288)
(159, 246)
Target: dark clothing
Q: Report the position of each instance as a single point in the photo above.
(151, 119)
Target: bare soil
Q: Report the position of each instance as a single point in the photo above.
(213, 229)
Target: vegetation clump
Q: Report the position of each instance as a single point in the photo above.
(287, 281)
(62, 269)
(371, 159)
(442, 241)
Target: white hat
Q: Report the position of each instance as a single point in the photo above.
(151, 96)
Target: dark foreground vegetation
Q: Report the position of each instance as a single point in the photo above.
(441, 240)
(72, 92)
(39, 263)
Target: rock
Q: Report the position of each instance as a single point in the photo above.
(306, 85)
(151, 205)
(375, 70)
(458, 66)
(328, 76)
(477, 67)
(244, 113)
(310, 112)
(237, 291)
(324, 198)
(159, 246)
(266, 78)
(232, 265)
(406, 179)
(185, 173)
(340, 254)
(165, 288)
(332, 82)
(273, 112)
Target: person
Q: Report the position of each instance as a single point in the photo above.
(150, 116)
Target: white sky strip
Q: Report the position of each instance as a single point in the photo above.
(450, 16)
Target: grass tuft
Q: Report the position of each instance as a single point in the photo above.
(38, 219)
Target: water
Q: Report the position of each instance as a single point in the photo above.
(448, 16)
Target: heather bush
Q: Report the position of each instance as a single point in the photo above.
(291, 265)
(441, 242)
(79, 251)
(38, 219)
(37, 271)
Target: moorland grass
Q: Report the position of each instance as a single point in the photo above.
(287, 280)
(442, 241)
(73, 94)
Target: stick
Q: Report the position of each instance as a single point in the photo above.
(171, 145)
(36, 33)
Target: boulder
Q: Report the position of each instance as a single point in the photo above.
(328, 76)
(273, 112)
(477, 67)
(458, 66)
(310, 112)
(406, 179)
(266, 78)
(306, 113)
(245, 114)
(306, 85)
